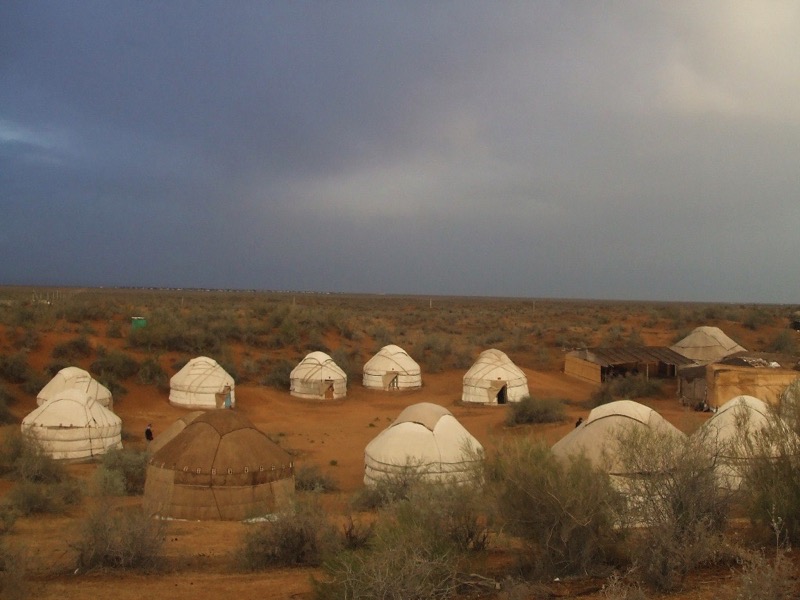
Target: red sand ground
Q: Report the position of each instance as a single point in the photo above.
(198, 554)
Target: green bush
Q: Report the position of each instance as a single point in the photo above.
(115, 364)
(301, 536)
(565, 511)
(24, 457)
(535, 410)
(122, 472)
(152, 373)
(347, 362)
(14, 367)
(119, 539)
(73, 350)
(114, 330)
(278, 375)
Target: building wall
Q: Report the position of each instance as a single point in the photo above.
(725, 382)
(582, 369)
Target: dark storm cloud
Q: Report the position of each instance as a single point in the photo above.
(640, 150)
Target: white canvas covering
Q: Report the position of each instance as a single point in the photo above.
(727, 432)
(74, 377)
(427, 438)
(73, 426)
(494, 379)
(318, 377)
(706, 344)
(201, 384)
(597, 436)
(392, 369)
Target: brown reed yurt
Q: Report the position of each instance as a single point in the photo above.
(173, 430)
(220, 467)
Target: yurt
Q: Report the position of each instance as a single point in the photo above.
(202, 384)
(392, 369)
(318, 377)
(427, 438)
(73, 377)
(173, 430)
(597, 436)
(220, 467)
(706, 344)
(727, 434)
(74, 426)
(494, 379)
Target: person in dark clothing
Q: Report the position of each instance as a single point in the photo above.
(579, 421)
(148, 433)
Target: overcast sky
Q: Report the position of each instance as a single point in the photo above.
(620, 150)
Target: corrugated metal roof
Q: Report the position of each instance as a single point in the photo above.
(607, 357)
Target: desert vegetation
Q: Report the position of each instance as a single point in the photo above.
(524, 520)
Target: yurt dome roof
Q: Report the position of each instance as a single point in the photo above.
(391, 358)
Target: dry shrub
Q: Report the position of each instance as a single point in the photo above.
(5, 399)
(28, 497)
(394, 487)
(13, 575)
(356, 533)
(401, 562)
(626, 387)
(675, 508)
(416, 547)
(454, 512)
(765, 579)
(310, 478)
(301, 536)
(771, 479)
(563, 510)
(616, 588)
(535, 410)
(119, 539)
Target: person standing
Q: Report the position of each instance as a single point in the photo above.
(148, 433)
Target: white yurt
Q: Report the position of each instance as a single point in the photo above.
(202, 384)
(392, 369)
(494, 379)
(74, 377)
(706, 344)
(74, 426)
(597, 437)
(318, 377)
(427, 438)
(728, 433)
